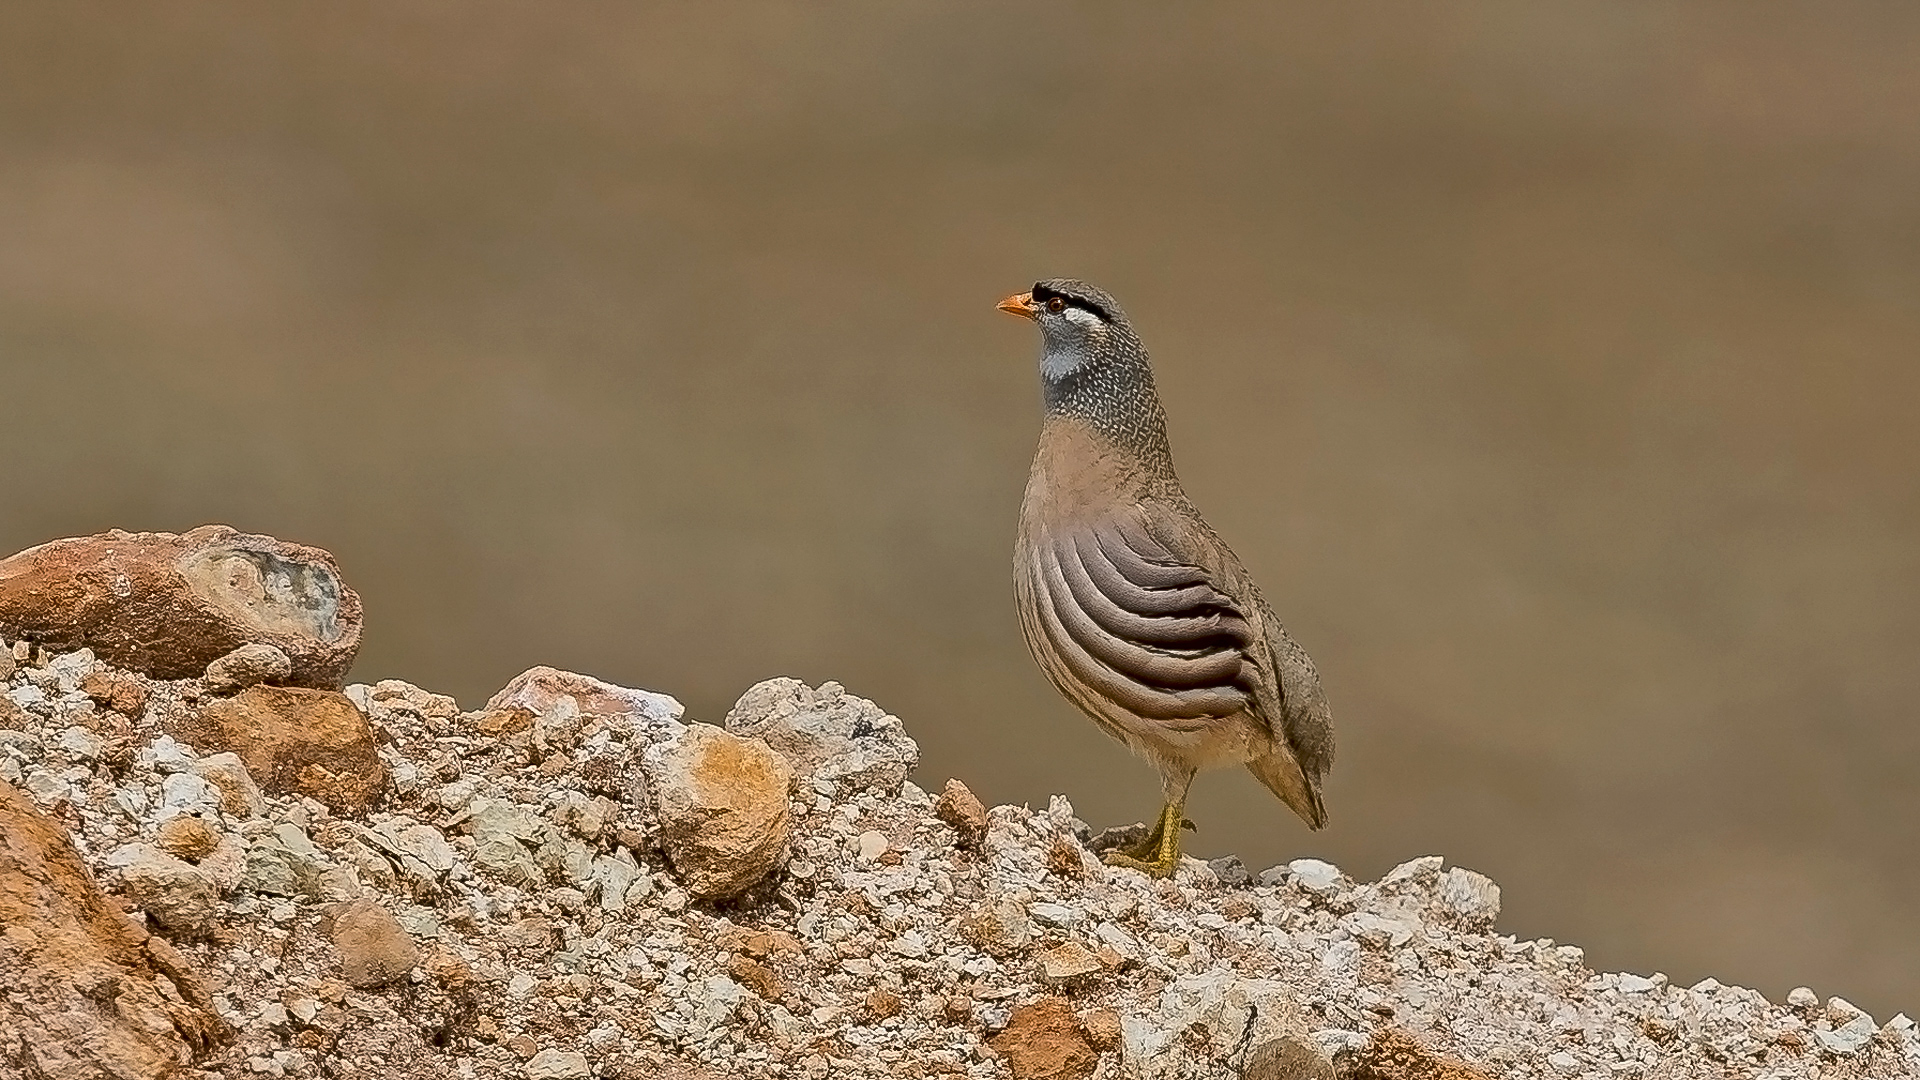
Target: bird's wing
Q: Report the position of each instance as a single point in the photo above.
(1147, 629)
(1284, 688)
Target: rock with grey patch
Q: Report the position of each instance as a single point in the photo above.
(167, 605)
(830, 736)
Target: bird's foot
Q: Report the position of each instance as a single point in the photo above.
(1156, 868)
(1159, 853)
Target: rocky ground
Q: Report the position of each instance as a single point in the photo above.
(574, 881)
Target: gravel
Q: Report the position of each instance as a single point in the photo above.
(554, 940)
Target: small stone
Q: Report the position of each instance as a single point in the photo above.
(958, 807)
(872, 845)
(1102, 1028)
(557, 697)
(1842, 1011)
(167, 756)
(1043, 1041)
(1471, 897)
(374, 949)
(1067, 962)
(166, 605)
(249, 665)
(239, 796)
(78, 744)
(551, 1064)
(1233, 873)
(117, 690)
(187, 837)
(446, 967)
(1060, 915)
(1000, 927)
(177, 896)
(298, 742)
(757, 977)
(189, 794)
(1290, 1057)
(1422, 873)
(1634, 984)
(882, 1004)
(828, 735)
(1315, 876)
(722, 805)
(1849, 1038)
(1801, 997)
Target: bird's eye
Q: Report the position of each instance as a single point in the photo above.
(1056, 305)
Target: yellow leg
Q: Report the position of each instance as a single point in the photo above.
(1161, 853)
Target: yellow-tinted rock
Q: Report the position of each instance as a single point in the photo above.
(721, 801)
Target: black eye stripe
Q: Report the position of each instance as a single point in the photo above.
(1049, 297)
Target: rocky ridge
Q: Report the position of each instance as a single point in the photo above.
(575, 881)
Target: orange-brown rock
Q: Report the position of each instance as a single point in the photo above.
(374, 948)
(168, 604)
(721, 801)
(960, 808)
(117, 690)
(88, 991)
(187, 837)
(1043, 1041)
(1395, 1055)
(296, 742)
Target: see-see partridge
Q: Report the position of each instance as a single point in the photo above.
(1133, 607)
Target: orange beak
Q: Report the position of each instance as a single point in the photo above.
(1021, 305)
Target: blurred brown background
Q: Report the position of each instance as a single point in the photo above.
(1553, 366)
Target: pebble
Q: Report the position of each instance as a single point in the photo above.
(1314, 875)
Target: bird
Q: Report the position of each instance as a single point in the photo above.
(1133, 607)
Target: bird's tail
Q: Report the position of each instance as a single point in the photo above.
(1282, 774)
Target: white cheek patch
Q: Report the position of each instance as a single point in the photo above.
(1069, 347)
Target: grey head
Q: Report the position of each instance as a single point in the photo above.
(1092, 365)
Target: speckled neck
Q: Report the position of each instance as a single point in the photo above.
(1114, 394)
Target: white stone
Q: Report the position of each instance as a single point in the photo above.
(78, 743)
(186, 793)
(167, 756)
(1314, 875)
(1471, 896)
(1850, 1037)
(873, 844)
(1060, 915)
(551, 1064)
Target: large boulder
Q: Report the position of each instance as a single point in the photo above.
(168, 604)
(88, 992)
